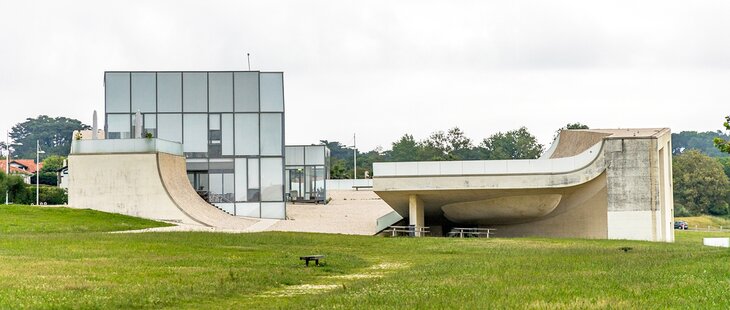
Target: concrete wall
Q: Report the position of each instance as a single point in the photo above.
(121, 183)
(620, 188)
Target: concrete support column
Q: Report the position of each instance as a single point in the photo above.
(415, 212)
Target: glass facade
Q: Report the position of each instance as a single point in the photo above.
(307, 167)
(231, 125)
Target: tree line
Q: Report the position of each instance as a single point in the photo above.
(451, 144)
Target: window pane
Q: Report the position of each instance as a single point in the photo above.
(116, 88)
(272, 92)
(195, 139)
(195, 92)
(271, 140)
(215, 122)
(169, 92)
(143, 92)
(227, 134)
(272, 183)
(216, 187)
(294, 155)
(253, 173)
(246, 86)
(170, 127)
(241, 178)
(247, 134)
(118, 126)
(314, 155)
(221, 91)
(228, 191)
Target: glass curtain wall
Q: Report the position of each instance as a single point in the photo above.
(306, 172)
(231, 125)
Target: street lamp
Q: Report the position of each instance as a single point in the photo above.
(38, 153)
(354, 157)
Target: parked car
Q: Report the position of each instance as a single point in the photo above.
(681, 225)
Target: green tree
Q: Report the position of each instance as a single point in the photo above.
(48, 173)
(721, 143)
(700, 183)
(702, 141)
(54, 134)
(450, 145)
(405, 149)
(515, 144)
(725, 162)
(576, 126)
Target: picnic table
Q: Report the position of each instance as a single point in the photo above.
(411, 231)
(463, 232)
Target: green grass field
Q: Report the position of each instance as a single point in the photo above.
(78, 266)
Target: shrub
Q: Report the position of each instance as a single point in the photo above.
(681, 211)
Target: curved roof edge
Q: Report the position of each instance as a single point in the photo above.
(488, 167)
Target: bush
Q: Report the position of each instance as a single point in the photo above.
(52, 195)
(681, 211)
(719, 209)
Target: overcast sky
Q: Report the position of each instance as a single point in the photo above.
(384, 68)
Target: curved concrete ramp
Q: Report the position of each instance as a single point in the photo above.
(148, 185)
(175, 180)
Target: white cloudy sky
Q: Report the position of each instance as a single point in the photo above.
(385, 68)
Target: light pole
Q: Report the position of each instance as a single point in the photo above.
(354, 155)
(38, 153)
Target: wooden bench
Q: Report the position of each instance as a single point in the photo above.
(307, 258)
(358, 187)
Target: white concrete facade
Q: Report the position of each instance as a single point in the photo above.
(613, 184)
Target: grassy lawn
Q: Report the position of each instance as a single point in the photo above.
(85, 268)
(706, 220)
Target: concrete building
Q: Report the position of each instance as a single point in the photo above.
(614, 183)
(230, 123)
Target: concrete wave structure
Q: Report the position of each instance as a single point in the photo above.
(140, 177)
(147, 178)
(605, 183)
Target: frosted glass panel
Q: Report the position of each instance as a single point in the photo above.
(170, 127)
(195, 92)
(195, 133)
(273, 210)
(241, 178)
(221, 91)
(272, 183)
(169, 92)
(314, 155)
(216, 183)
(295, 155)
(247, 134)
(227, 134)
(271, 140)
(246, 87)
(118, 126)
(272, 92)
(228, 185)
(143, 92)
(116, 89)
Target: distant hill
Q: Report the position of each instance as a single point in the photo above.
(701, 141)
